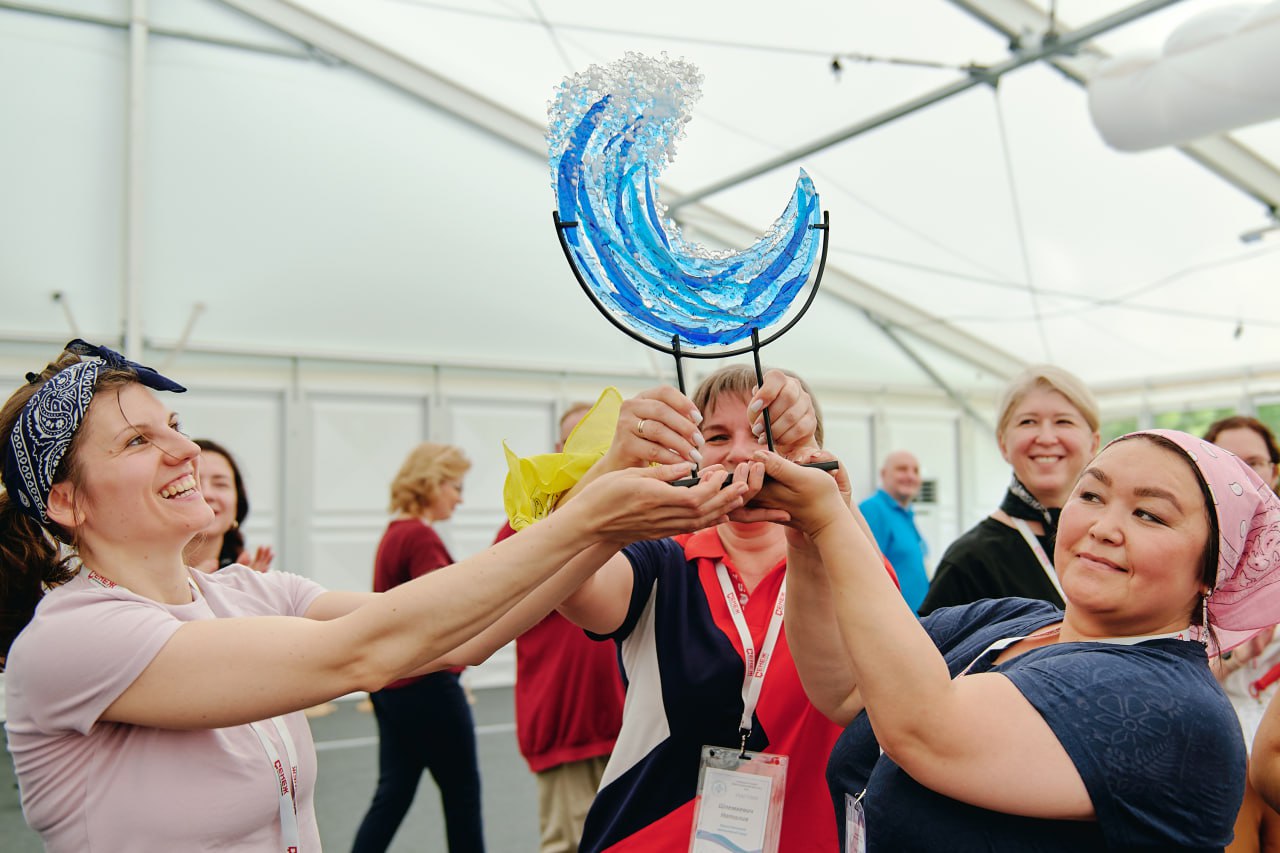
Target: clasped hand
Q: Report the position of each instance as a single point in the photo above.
(640, 503)
(805, 499)
(660, 425)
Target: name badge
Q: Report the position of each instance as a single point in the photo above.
(855, 824)
(739, 802)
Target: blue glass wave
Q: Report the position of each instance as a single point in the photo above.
(612, 130)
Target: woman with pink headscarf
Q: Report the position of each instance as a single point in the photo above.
(1012, 724)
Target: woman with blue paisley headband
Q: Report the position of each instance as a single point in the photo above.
(153, 707)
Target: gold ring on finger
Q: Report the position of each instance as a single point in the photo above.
(640, 428)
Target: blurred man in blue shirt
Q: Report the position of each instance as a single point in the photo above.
(893, 522)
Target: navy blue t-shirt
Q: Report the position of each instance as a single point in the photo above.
(1152, 734)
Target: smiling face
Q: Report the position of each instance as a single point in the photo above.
(726, 427)
(137, 484)
(727, 430)
(1047, 441)
(1131, 542)
(900, 476)
(218, 485)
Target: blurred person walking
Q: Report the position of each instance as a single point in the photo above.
(424, 722)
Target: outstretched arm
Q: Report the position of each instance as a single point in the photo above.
(938, 729)
(601, 603)
(813, 631)
(822, 659)
(222, 672)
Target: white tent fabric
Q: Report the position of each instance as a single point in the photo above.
(995, 224)
(1035, 236)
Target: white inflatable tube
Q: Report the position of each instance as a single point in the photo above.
(1218, 71)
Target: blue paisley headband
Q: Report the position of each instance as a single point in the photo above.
(49, 421)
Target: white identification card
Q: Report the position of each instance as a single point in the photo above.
(739, 802)
(855, 824)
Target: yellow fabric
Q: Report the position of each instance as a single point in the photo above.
(535, 483)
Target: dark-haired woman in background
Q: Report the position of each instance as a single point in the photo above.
(222, 542)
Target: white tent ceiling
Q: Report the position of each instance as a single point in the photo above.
(989, 229)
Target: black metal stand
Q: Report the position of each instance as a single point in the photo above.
(675, 352)
(755, 353)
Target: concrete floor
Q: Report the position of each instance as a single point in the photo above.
(346, 745)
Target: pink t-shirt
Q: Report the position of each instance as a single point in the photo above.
(91, 786)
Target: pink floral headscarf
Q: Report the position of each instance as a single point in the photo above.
(1246, 597)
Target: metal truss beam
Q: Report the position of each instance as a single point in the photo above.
(1223, 155)
(377, 60)
(1031, 53)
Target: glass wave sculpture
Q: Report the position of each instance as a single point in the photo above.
(612, 129)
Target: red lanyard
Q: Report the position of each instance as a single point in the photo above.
(755, 667)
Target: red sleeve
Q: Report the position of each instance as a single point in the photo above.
(506, 532)
(425, 552)
(409, 549)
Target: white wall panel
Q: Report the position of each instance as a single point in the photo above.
(357, 445)
(991, 474)
(848, 434)
(343, 559)
(250, 426)
(984, 473)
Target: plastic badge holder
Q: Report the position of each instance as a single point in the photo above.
(855, 824)
(739, 803)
